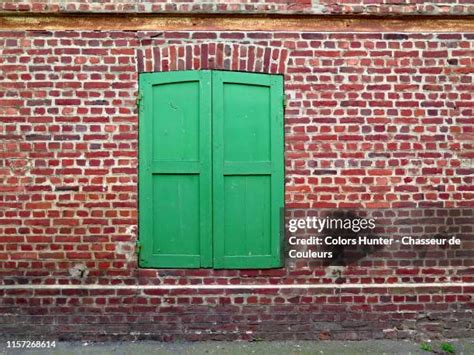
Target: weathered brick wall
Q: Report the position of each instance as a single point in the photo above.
(373, 121)
(323, 7)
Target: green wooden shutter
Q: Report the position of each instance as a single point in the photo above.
(175, 170)
(210, 197)
(248, 169)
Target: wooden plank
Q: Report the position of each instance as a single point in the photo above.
(237, 22)
(176, 167)
(278, 166)
(246, 168)
(205, 152)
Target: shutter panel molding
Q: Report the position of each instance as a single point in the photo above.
(211, 170)
(248, 169)
(175, 182)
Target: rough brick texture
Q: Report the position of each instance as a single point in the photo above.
(372, 121)
(323, 7)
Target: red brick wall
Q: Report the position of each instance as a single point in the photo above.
(373, 121)
(324, 7)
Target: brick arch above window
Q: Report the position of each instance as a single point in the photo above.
(214, 55)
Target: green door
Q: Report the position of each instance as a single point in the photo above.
(210, 169)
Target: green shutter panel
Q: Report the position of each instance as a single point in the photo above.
(248, 169)
(175, 182)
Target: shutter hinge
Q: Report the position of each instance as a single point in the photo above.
(285, 102)
(139, 99)
(138, 246)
